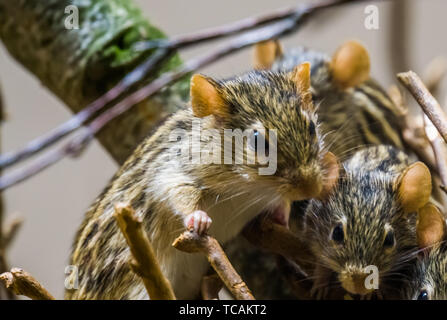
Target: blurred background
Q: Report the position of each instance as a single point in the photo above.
(53, 203)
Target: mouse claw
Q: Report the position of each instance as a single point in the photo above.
(198, 222)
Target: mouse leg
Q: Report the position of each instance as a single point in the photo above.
(198, 221)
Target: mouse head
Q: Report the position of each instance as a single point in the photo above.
(275, 116)
(362, 230)
(430, 277)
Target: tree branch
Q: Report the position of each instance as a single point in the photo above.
(73, 147)
(191, 242)
(22, 283)
(144, 262)
(424, 98)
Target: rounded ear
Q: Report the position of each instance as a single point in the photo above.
(205, 98)
(301, 77)
(265, 54)
(430, 228)
(332, 169)
(350, 65)
(414, 187)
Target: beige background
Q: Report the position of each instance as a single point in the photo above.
(53, 202)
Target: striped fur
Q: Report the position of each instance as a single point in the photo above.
(163, 190)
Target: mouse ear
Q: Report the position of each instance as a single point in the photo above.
(265, 54)
(301, 76)
(430, 227)
(414, 187)
(350, 65)
(332, 169)
(205, 97)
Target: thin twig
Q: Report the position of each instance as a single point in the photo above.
(144, 262)
(424, 98)
(438, 146)
(412, 131)
(22, 283)
(79, 142)
(191, 242)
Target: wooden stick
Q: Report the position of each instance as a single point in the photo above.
(144, 262)
(191, 242)
(428, 103)
(412, 132)
(22, 283)
(210, 287)
(287, 24)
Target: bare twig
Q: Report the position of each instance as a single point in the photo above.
(191, 242)
(22, 283)
(73, 147)
(438, 146)
(412, 131)
(144, 262)
(428, 103)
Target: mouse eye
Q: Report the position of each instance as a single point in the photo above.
(312, 129)
(255, 139)
(389, 240)
(338, 235)
(423, 295)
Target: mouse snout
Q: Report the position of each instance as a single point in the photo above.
(354, 280)
(305, 186)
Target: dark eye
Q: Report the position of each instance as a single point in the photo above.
(312, 128)
(338, 235)
(423, 295)
(389, 239)
(257, 138)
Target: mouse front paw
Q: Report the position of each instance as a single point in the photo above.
(198, 222)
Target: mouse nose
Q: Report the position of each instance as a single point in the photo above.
(355, 282)
(307, 187)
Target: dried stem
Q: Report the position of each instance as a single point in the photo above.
(144, 262)
(438, 146)
(22, 283)
(425, 99)
(287, 24)
(191, 242)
